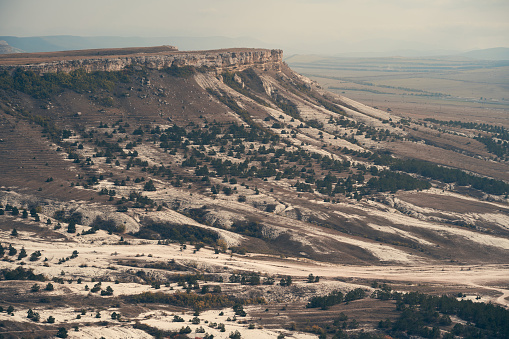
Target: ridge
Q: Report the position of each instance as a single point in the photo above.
(151, 57)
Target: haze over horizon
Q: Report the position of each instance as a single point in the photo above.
(299, 26)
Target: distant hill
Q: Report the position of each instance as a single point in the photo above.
(5, 48)
(69, 42)
(497, 53)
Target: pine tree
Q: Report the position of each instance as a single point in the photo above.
(71, 228)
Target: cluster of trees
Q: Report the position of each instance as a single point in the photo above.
(108, 225)
(20, 273)
(249, 228)
(335, 297)
(423, 315)
(245, 278)
(324, 302)
(388, 181)
(177, 233)
(498, 147)
(449, 175)
(499, 130)
(49, 84)
(497, 144)
(180, 71)
(216, 135)
(15, 211)
(193, 300)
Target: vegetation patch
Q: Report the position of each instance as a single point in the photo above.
(192, 300)
(177, 233)
(49, 84)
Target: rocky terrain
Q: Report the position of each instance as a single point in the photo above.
(152, 192)
(6, 49)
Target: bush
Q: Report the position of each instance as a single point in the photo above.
(185, 330)
(177, 319)
(62, 332)
(107, 292)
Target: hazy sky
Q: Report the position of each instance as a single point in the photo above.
(344, 25)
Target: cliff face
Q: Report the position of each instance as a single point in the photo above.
(232, 59)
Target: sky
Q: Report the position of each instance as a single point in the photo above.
(333, 26)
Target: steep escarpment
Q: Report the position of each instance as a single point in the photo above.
(154, 58)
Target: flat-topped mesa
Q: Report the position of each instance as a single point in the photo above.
(150, 57)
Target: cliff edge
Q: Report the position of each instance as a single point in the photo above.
(151, 57)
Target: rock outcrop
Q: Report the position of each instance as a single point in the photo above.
(231, 59)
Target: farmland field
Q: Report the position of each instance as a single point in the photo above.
(441, 88)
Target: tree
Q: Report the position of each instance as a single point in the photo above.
(22, 254)
(50, 320)
(286, 281)
(14, 232)
(35, 288)
(34, 316)
(12, 250)
(14, 211)
(71, 228)
(35, 256)
(149, 186)
(62, 332)
(49, 287)
(108, 291)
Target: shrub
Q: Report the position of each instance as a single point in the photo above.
(235, 335)
(107, 292)
(35, 256)
(177, 319)
(62, 332)
(185, 330)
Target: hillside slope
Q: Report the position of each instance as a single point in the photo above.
(234, 151)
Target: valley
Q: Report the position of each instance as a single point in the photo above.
(164, 193)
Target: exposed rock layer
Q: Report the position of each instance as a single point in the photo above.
(220, 59)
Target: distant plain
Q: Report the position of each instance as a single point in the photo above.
(443, 88)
